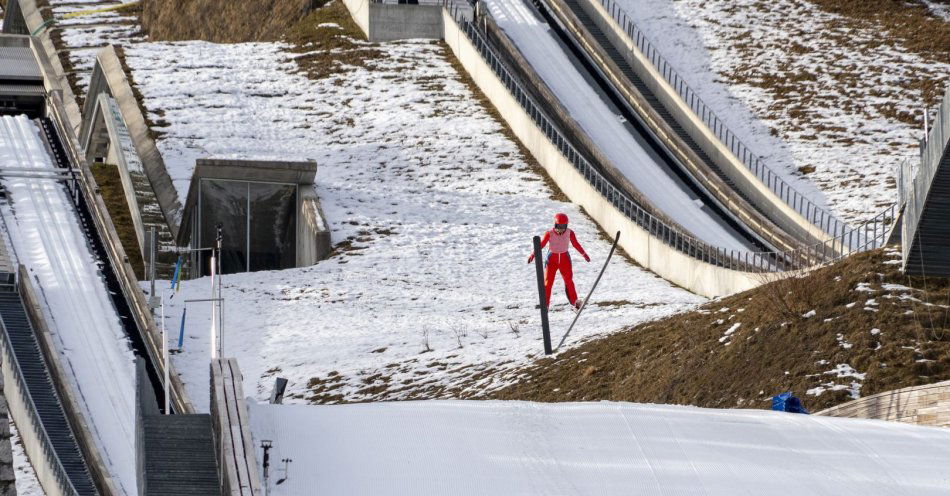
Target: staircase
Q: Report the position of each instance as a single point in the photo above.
(19, 336)
(926, 198)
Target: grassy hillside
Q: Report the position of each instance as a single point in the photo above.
(858, 326)
(223, 22)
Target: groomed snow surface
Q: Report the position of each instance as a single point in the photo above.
(431, 208)
(616, 139)
(494, 448)
(48, 240)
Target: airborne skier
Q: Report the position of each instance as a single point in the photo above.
(559, 259)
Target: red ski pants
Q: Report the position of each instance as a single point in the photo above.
(559, 262)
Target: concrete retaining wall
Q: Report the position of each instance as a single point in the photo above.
(108, 76)
(921, 405)
(313, 231)
(236, 458)
(53, 72)
(778, 210)
(27, 425)
(697, 276)
(389, 22)
(7, 474)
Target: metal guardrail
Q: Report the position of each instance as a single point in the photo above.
(63, 480)
(799, 202)
(116, 253)
(914, 182)
(871, 234)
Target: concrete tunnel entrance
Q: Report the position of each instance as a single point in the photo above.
(266, 213)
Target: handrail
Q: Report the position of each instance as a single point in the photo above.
(59, 472)
(826, 221)
(870, 234)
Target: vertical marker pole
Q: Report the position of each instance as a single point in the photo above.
(539, 268)
(214, 313)
(165, 354)
(181, 332)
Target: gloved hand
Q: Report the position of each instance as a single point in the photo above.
(587, 257)
(531, 258)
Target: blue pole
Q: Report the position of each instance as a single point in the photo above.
(181, 332)
(177, 273)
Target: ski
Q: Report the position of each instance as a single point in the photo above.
(592, 288)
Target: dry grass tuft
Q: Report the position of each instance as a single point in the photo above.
(113, 195)
(153, 126)
(328, 42)
(218, 21)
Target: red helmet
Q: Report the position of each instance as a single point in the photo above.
(560, 218)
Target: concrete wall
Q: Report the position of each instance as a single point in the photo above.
(53, 72)
(778, 210)
(63, 384)
(697, 276)
(921, 405)
(29, 428)
(359, 11)
(108, 76)
(389, 22)
(7, 475)
(236, 458)
(313, 231)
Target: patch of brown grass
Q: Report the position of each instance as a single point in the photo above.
(684, 358)
(113, 195)
(62, 52)
(335, 47)
(232, 21)
(909, 22)
(153, 126)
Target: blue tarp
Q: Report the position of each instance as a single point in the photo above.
(785, 402)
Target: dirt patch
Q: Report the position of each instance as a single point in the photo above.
(817, 332)
(328, 42)
(113, 195)
(220, 21)
(62, 52)
(912, 24)
(153, 125)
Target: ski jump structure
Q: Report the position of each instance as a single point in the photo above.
(794, 232)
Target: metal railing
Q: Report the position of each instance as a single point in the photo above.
(915, 181)
(36, 423)
(755, 164)
(871, 234)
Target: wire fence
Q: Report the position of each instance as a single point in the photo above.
(871, 234)
(775, 182)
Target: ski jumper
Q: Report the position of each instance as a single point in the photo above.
(559, 260)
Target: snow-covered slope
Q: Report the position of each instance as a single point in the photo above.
(493, 448)
(816, 96)
(48, 240)
(617, 139)
(431, 208)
